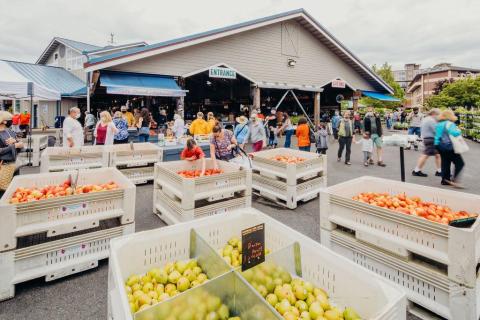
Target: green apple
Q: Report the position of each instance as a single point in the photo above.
(289, 316)
(213, 303)
(350, 314)
(323, 302)
(181, 266)
(197, 270)
(283, 306)
(202, 277)
(300, 292)
(223, 312)
(315, 310)
(183, 284)
(227, 250)
(133, 280)
(301, 305)
(272, 299)
(174, 276)
(333, 314)
(305, 316)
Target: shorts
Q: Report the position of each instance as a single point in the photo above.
(429, 147)
(377, 140)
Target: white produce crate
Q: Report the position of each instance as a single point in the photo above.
(314, 165)
(171, 212)
(404, 235)
(286, 195)
(233, 181)
(62, 215)
(56, 259)
(135, 154)
(139, 175)
(62, 158)
(346, 283)
(38, 144)
(423, 285)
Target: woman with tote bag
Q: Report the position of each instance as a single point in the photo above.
(450, 146)
(9, 148)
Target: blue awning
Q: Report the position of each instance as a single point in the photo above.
(380, 96)
(140, 84)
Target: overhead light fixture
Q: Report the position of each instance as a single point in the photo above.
(209, 83)
(291, 63)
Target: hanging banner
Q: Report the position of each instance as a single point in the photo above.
(219, 72)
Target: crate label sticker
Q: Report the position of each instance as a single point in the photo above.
(74, 207)
(73, 250)
(221, 183)
(219, 211)
(253, 245)
(75, 160)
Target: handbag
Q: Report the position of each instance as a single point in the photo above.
(458, 143)
(144, 130)
(6, 174)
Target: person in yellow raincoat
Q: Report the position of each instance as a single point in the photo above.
(199, 125)
(211, 121)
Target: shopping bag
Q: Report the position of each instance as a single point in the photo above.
(6, 175)
(459, 144)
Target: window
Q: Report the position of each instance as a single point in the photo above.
(290, 35)
(74, 61)
(55, 57)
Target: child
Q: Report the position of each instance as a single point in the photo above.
(276, 133)
(193, 152)
(321, 139)
(367, 147)
(271, 137)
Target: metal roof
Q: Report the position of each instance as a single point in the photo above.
(54, 78)
(108, 48)
(300, 15)
(76, 45)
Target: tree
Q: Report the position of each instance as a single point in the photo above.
(461, 93)
(385, 72)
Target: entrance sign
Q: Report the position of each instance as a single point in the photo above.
(253, 245)
(337, 83)
(219, 72)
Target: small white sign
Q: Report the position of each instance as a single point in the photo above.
(45, 108)
(338, 83)
(219, 72)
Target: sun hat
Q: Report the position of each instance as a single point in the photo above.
(5, 115)
(241, 119)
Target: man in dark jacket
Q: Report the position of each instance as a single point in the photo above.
(373, 124)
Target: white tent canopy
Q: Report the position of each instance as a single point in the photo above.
(15, 86)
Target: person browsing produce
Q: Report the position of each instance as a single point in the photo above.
(222, 143)
(193, 152)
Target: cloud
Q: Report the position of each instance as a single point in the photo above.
(399, 32)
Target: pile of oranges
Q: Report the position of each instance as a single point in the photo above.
(288, 159)
(413, 206)
(196, 173)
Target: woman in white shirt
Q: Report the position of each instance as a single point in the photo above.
(287, 127)
(178, 126)
(105, 129)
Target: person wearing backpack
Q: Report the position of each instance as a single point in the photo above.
(241, 131)
(321, 141)
(445, 130)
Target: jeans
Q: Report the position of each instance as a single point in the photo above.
(306, 148)
(288, 138)
(414, 130)
(366, 156)
(335, 133)
(143, 137)
(447, 158)
(342, 143)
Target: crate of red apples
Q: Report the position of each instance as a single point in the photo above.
(182, 192)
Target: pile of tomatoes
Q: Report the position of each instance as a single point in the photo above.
(54, 191)
(288, 159)
(413, 206)
(197, 173)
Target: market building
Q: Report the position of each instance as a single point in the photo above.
(288, 60)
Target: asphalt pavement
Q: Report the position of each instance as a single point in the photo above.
(84, 295)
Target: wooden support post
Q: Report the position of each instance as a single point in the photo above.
(316, 109)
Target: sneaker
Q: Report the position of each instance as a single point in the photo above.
(370, 161)
(445, 183)
(365, 164)
(419, 174)
(348, 163)
(438, 174)
(339, 159)
(381, 164)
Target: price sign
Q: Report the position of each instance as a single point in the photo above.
(253, 246)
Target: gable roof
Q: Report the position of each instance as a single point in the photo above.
(53, 45)
(54, 78)
(117, 47)
(300, 15)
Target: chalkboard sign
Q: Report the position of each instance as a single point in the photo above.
(253, 246)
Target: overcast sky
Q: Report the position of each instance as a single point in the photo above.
(404, 31)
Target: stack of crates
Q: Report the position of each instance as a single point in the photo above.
(56, 237)
(38, 144)
(435, 264)
(288, 183)
(61, 159)
(177, 199)
(135, 161)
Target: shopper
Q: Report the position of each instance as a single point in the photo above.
(241, 131)
(287, 127)
(193, 152)
(143, 125)
(105, 129)
(211, 121)
(357, 122)
(373, 124)
(388, 120)
(9, 149)
(222, 145)
(335, 122)
(24, 121)
(367, 147)
(178, 126)
(345, 137)
(128, 116)
(89, 120)
(162, 119)
(122, 126)
(321, 141)
(445, 128)
(256, 133)
(199, 125)
(303, 135)
(72, 129)
(428, 136)
(415, 121)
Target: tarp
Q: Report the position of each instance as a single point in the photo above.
(380, 96)
(140, 84)
(13, 85)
